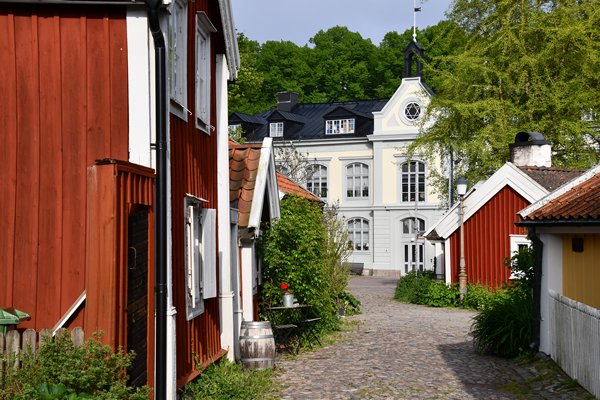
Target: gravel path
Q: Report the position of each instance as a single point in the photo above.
(403, 351)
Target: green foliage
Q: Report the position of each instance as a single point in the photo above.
(503, 327)
(339, 65)
(228, 380)
(440, 294)
(300, 249)
(61, 370)
(528, 65)
(413, 287)
(351, 303)
(521, 265)
(477, 297)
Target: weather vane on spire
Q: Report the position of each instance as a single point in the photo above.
(415, 11)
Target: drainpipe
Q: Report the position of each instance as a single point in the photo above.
(536, 319)
(160, 347)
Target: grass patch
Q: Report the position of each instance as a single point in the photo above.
(229, 380)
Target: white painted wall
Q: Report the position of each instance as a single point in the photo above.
(552, 259)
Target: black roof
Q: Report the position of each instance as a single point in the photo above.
(307, 121)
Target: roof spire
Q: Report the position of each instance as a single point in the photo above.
(415, 11)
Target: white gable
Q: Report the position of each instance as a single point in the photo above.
(392, 119)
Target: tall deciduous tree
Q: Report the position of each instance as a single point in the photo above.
(529, 65)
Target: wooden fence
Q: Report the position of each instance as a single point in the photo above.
(14, 343)
(575, 340)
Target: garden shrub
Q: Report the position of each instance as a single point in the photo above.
(305, 249)
(440, 294)
(503, 327)
(477, 297)
(413, 287)
(228, 380)
(60, 370)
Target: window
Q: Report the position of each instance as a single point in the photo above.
(203, 71)
(357, 180)
(337, 126)
(317, 183)
(233, 129)
(276, 129)
(408, 226)
(177, 35)
(412, 111)
(358, 233)
(413, 181)
(200, 255)
(413, 246)
(517, 243)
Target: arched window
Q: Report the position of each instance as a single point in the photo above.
(357, 180)
(413, 246)
(317, 183)
(358, 233)
(413, 181)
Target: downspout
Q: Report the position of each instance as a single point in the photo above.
(536, 319)
(160, 346)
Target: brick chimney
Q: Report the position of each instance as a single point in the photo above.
(286, 101)
(530, 149)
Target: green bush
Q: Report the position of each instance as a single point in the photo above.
(440, 294)
(503, 327)
(351, 303)
(60, 370)
(305, 249)
(413, 287)
(477, 297)
(228, 380)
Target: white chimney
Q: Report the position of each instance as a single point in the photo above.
(530, 149)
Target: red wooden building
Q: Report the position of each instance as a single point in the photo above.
(79, 117)
(490, 213)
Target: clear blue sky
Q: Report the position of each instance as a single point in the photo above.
(299, 20)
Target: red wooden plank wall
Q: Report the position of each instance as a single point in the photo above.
(487, 241)
(63, 104)
(194, 171)
(116, 190)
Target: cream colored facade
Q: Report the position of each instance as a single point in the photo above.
(392, 249)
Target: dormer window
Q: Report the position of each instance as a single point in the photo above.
(276, 129)
(339, 126)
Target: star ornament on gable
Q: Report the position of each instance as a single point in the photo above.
(412, 111)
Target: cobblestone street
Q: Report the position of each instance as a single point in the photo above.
(404, 351)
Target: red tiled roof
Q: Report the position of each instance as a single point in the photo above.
(581, 202)
(550, 177)
(243, 168)
(287, 186)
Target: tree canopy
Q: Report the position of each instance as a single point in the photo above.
(528, 65)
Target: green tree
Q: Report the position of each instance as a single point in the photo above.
(342, 63)
(245, 95)
(529, 65)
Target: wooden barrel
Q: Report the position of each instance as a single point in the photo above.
(257, 345)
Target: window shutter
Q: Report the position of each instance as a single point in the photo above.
(209, 251)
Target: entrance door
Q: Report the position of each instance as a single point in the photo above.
(137, 296)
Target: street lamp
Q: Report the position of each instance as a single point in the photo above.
(461, 189)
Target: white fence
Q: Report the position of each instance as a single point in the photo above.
(575, 340)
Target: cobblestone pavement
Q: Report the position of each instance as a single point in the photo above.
(405, 351)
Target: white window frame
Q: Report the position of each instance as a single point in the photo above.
(177, 58)
(358, 233)
(204, 28)
(340, 126)
(516, 242)
(414, 181)
(317, 182)
(357, 179)
(200, 255)
(276, 129)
